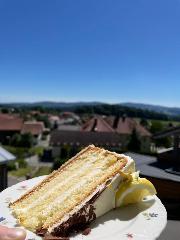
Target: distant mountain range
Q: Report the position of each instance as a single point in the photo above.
(171, 111)
(50, 104)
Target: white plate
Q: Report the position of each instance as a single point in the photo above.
(143, 221)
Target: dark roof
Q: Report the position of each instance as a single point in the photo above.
(149, 167)
(81, 138)
(125, 125)
(169, 132)
(35, 128)
(10, 122)
(97, 124)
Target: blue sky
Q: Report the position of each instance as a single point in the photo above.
(90, 50)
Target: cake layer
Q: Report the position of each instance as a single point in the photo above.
(65, 191)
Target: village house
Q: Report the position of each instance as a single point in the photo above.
(67, 121)
(124, 126)
(10, 124)
(33, 127)
(54, 121)
(69, 118)
(109, 132)
(97, 124)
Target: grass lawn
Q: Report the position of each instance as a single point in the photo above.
(42, 171)
(21, 152)
(21, 172)
(164, 122)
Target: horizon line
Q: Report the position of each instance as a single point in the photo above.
(73, 102)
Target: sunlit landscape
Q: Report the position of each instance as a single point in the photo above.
(77, 73)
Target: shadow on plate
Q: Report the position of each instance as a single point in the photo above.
(124, 213)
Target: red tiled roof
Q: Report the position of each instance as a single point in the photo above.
(8, 116)
(142, 130)
(110, 120)
(10, 122)
(97, 124)
(125, 125)
(35, 128)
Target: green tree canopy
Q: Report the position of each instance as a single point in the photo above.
(24, 140)
(144, 122)
(27, 140)
(15, 140)
(158, 126)
(43, 119)
(134, 143)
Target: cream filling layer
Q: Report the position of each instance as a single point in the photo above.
(74, 189)
(50, 191)
(64, 176)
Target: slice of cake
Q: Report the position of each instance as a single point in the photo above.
(70, 198)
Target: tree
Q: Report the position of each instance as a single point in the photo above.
(134, 143)
(4, 110)
(43, 119)
(158, 126)
(144, 122)
(24, 140)
(27, 140)
(15, 140)
(55, 125)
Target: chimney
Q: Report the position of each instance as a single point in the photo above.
(124, 117)
(115, 123)
(94, 127)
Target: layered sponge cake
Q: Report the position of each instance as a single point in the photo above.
(73, 196)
